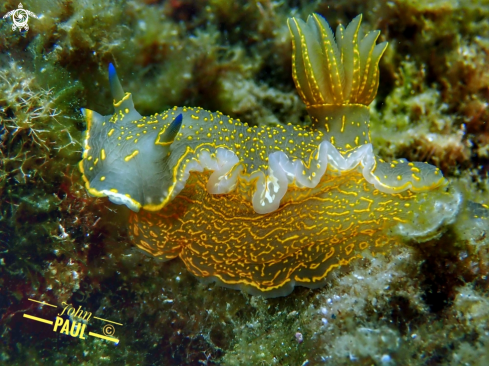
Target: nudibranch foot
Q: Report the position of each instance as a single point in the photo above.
(264, 209)
(300, 243)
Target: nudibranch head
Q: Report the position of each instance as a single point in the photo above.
(113, 150)
(264, 209)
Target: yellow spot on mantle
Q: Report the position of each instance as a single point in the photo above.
(130, 156)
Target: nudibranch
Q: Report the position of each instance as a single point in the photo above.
(263, 209)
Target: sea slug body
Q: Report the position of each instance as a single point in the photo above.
(264, 209)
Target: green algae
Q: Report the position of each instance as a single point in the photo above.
(425, 302)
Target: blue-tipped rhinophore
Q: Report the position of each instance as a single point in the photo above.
(115, 84)
(175, 126)
(171, 131)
